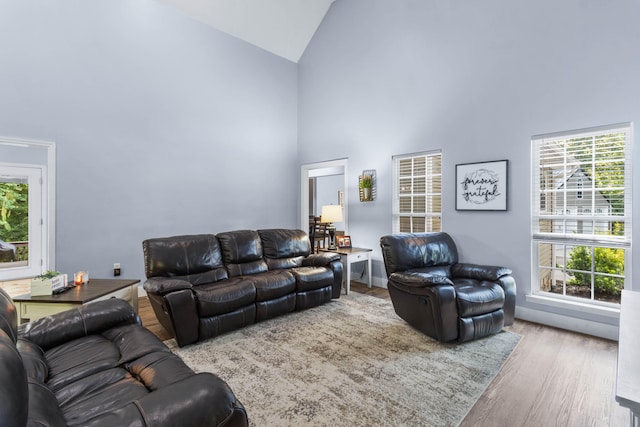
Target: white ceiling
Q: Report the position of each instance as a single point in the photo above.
(283, 27)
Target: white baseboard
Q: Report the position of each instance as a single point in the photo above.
(570, 323)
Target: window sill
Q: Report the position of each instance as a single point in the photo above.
(601, 310)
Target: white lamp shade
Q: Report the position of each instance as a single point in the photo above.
(331, 213)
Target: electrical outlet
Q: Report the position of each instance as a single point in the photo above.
(116, 269)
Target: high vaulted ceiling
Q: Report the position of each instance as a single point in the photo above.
(283, 27)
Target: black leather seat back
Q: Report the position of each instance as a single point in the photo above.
(284, 248)
(242, 252)
(407, 251)
(187, 257)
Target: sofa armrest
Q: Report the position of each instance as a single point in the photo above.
(164, 285)
(199, 400)
(415, 279)
(88, 319)
(321, 259)
(479, 272)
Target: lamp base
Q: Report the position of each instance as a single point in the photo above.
(332, 238)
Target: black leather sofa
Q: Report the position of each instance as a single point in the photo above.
(204, 285)
(97, 366)
(441, 297)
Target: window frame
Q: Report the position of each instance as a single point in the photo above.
(593, 213)
(428, 175)
(22, 148)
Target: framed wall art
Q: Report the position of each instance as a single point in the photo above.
(482, 186)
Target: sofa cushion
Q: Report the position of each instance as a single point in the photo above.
(406, 251)
(477, 297)
(284, 263)
(284, 243)
(311, 278)
(98, 393)
(146, 369)
(79, 358)
(78, 322)
(215, 275)
(224, 297)
(242, 252)
(181, 255)
(284, 248)
(273, 284)
(418, 279)
(133, 342)
(87, 376)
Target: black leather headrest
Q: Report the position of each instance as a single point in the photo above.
(181, 255)
(406, 251)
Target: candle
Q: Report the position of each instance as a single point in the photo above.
(78, 278)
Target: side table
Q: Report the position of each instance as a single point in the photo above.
(32, 308)
(349, 256)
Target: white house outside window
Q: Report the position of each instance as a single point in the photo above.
(581, 219)
(417, 198)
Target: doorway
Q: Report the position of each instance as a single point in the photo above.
(26, 208)
(324, 182)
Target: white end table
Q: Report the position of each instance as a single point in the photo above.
(349, 256)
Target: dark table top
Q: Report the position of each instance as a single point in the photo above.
(94, 289)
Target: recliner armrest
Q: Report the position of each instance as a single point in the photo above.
(320, 259)
(479, 272)
(164, 285)
(415, 279)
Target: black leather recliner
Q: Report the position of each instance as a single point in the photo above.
(442, 298)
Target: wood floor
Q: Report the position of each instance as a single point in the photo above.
(553, 378)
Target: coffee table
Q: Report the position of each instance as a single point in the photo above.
(32, 308)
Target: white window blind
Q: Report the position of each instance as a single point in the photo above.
(581, 216)
(417, 199)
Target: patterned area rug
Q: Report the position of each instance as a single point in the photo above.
(350, 362)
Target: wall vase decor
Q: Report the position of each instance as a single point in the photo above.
(482, 186)
(367, 185)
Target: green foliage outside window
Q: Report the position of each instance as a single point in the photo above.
(606, 260)
(14, 212)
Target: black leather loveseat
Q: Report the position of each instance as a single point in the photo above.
(204, 285)
(97, 366)
(441, 297)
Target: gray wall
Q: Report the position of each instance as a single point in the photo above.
(163, 126)
(475, 79)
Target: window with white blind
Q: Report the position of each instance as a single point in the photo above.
(581, 218)
(417, 197)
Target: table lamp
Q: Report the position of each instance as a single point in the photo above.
(329, 215)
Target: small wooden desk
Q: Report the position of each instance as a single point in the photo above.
(349, 256)
(628, 370)
(32, 308)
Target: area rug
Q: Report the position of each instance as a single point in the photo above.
(349, 362)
